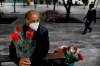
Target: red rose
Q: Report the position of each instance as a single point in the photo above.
(29, 34)
(69, 47)
(80, 56)
(75, 48)
(59, 50)
(18, 28)
(15, 36)
(65, 48)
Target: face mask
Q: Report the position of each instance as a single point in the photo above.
(34, 26)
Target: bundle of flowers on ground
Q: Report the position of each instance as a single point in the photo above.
(22, 43)
(49, 14)
(49, 11)
(72, 54)
(52, 15)
(56, 16)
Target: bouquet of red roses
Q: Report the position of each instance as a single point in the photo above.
(22, 43)
(72, 54)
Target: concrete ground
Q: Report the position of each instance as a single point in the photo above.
(59, 33)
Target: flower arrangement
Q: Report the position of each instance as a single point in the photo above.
(72, 54)
(49, 14)
(49, 11)
(52, 16)
(56, 16)
(22, 43)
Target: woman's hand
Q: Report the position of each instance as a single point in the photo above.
(24, 62)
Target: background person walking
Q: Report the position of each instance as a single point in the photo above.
(90, 16)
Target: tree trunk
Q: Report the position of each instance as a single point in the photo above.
(84, 6)
(14, 6)
(68, 12)
(67, 7)
(35, 3)
(35, 6)
(79, 2)
(1, 4)
(54, 3)
(54, 7)
(23, 3)
(47, 4)
(54, 10)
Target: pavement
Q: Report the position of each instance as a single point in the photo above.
(59, 33)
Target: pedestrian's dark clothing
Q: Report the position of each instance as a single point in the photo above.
(41, 49)
(91, 15)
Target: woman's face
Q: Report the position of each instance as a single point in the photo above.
(33, 18)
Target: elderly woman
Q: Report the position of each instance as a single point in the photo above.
(32, 21)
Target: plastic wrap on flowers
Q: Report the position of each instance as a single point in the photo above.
(25, 51)
(72, 54)
(24, 45)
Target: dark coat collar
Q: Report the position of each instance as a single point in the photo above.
(36, 34)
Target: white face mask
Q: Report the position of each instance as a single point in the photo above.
(34, 26)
